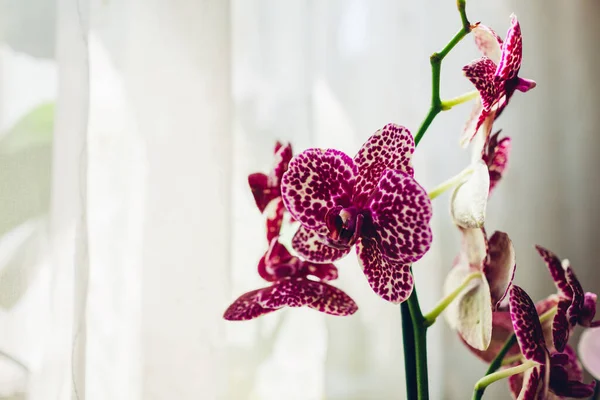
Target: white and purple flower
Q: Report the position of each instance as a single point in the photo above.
(294, 283)
(495, 76)
(372, 201)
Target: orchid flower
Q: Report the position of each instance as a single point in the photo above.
(493, 264)
(495, 154)
(266, 190)
(495, 76)
(574, 306)
(589, 351)
(291, 286)
(372, 201)
(544, 375)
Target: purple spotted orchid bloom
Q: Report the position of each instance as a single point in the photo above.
(372, 201)
(574, 306)
(294, 283)
(471, 314)
(495, 76)
(553, 374)
(266, 189)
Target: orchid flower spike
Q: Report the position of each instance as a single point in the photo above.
(291, 287)
(495, 76)
(266, 190)
(371, 200)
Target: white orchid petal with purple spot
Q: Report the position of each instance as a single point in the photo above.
(488, 42)
(589, 351)
(475, 315)
(312, 247)
(390, 280)
(469, 200)
(389, 148)
(500, 266)
(401, 212)
(315, 182)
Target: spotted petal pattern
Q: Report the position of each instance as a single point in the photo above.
(315, 182)
(325, 272)
(560, 325)
(335, 302)
(262, 193)
(497, 158)
(246, 307)
(274, 212)
(512, 52)
(291, 292)
(566, 376)
(392, 281)
(500, 266)
(556, 271)
(283, 155)
(389, 148)
(481, 73)
(401, 212)
(311, 246)
(527, 326)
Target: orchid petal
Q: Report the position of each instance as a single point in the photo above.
(457, 275)
(392, 281)
(311, 246)
(512, 52)
(589, 351)
(334, 301)
(527, 326)
(293, 292)
(262, 193)
(475, 316)
(469, 200)
(488, 42)
(515, 384)
(578, 299)
(525, 85)
(533, 384)
(325, 272)
(481, 74)
(283, 155)
(500, 266)
(589, 309)
(542, 307)
(566, 376)
(556, 271)
(470, 129)
(502, 330)
(315, 182)
(274, 213)
(401, 211)
(474, 247)
(246, 307)
(389, 148)
(498, 160)
(561, 329)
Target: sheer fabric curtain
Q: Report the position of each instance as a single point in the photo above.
(128, 128)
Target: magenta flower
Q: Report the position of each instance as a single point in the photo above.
(266, 190)
(558, 374)
(372, 201)
(495, 154)
(471, 314)
(295, 283)
(589, 351)
(574, 306)
(495, 75)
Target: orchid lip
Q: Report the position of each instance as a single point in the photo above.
(345, 226)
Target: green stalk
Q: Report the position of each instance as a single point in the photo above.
(415, 344)
(503, 374)
(445, 302)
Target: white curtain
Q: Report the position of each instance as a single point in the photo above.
(128, 128)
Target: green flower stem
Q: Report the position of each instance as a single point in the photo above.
(450, 183)
(445, 302)
(436, 66)
(410, 357)
(510, 342)
(512, 359)
(448, 104)
(416, 359)
(505, 373)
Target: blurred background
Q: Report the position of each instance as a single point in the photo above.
(128, 128)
